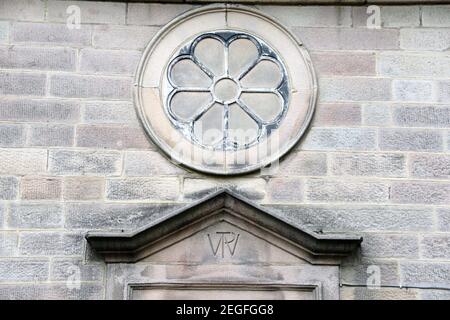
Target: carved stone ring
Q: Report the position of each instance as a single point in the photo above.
(225, 89)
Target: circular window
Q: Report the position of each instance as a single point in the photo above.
(229, 90)
(225, 90)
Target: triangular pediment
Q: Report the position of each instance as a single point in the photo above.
(227, 240)
(223, 228)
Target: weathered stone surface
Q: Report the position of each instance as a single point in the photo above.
(339, 139)
(346, 191)
(413, 65)
(72, 162)
(8, 242)
(357, 219)
(285, 190)
(344, 64)
(383, 118)
(64, 269)
(143, 189)
(430, 166)
(83, 188)
(112, 137)
(390, 16)
(23, 161)
(62, 59)
(443, 91)
(149, 163)
(390, 246)
(27, 10)
(435, 247)
(410, 140)
(154, 14)
(435, 294)
(337, 115)
(443, 219)
(50, 243)
(252, 188)
(80, 86)
(19, 83)
(422, 116)
(109, 61)
(51, 135)
(425, 274)
(9, 188)
(436, 16)
(303, 164)
(379, 294)
(354, 89)
(413, 90)
(4, 31)
(361, 273)
(420, 192)
(110, 112)
(369, 164)
(12, 135)
(448, 139)
(310, 16)
(12, 270)
(91, 12)
(102, 216)
(35, 216)
(39, 110)
(122, 37)
(51, 33)
(41, 188)
(347, 38)
(376, 115)
(51, 291)
(425, 39)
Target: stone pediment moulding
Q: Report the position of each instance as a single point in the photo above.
(218, 208)
(222, 247)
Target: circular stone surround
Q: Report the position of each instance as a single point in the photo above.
(225, 89)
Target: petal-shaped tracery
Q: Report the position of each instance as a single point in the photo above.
(186, 104)
(242, 128)
(210, 52)
(226, 90)
(242, 54)
(208, 129)
(185, 73)
(266, 74)
(267, 105)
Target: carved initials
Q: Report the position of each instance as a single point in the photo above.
(226, 239)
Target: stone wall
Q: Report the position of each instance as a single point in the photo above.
(73, 156)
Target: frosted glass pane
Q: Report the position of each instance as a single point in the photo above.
(186, 73)
(266, 105)
(209, 128)
(265, 74)
(242, 128)
(185, 104)
(242, 54)
(211, 53)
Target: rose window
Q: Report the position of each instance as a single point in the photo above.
(227, 90)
